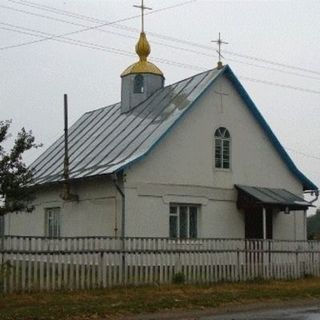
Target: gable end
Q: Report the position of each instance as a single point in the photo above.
(306, 183)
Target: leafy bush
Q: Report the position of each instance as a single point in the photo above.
(178, 278)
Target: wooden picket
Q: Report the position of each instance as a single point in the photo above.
(40, 264)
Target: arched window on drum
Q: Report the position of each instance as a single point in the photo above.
(138, 84)
(222, 148)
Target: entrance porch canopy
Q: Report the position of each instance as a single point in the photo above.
(284, 200)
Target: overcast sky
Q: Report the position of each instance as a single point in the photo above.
(263, 37)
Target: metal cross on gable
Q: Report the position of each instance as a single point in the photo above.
(220, 42)
(142, 7)
(221, 94)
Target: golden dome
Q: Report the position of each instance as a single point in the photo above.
(143, 47)
(142, 66)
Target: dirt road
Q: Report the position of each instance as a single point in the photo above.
(291, 310)
(301, 313)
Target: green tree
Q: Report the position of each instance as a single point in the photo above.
(15, 176)
(313, 226)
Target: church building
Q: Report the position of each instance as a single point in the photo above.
(193, 159)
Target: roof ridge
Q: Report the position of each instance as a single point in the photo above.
(108, 106)
(195, 75)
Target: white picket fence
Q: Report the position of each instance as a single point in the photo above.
(38, 263)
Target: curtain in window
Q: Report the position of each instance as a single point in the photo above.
(53, 222)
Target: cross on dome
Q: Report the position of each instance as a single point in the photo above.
(142, 47)
(142, 7)
(143, 50)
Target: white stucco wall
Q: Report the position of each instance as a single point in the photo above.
(147, 210)
(96, 213)
(182, 166)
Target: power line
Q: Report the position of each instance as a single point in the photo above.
(36, 33)
(65, 40)
(272, 62)
(89, 28)
(100, 30)
(90, 45)
(189, 43)
(271, 83)
(274, 69)
(304, 154)
(82, 17)
(81, 25)
(54, 10)
(61, 20)
(94, 46)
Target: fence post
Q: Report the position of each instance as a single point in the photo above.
(178, 266)
(297, 264)
(123, 258)
(100, 270)
(238, 265)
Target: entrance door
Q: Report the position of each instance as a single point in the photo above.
(254, 224)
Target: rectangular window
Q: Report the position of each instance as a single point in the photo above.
(183, 221)
(222, 154)
(53, 222)
(2, 226)
(222, 148)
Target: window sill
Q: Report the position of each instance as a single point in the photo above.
(222, 170)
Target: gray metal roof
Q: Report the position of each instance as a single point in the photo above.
(273, 196)
(105, 140)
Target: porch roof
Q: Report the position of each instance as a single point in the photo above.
(270, 197)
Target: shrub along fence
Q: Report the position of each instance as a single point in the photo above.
(38, 263)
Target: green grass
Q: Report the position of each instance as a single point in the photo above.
(132, 300)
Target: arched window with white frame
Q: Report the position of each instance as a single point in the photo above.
(222, 148)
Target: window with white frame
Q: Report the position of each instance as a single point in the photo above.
(53, 222)
(222, 148)
(183, 221)
(2, 226)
